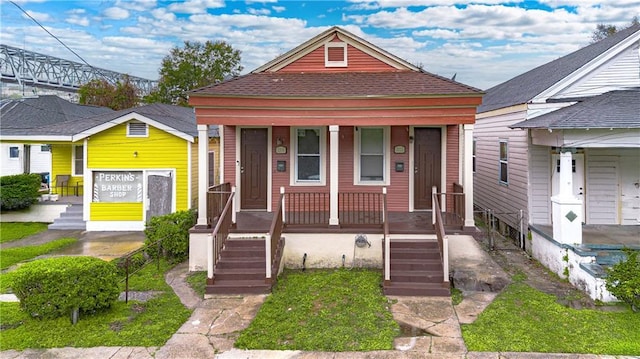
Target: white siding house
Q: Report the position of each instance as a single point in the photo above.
(578, 115)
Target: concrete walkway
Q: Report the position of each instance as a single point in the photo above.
(431, 326)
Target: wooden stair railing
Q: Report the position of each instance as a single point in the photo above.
(274, 243)
(219, 236)
(443, 241)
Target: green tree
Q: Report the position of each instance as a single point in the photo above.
(194, 65)
(122, 95)
(605, 30)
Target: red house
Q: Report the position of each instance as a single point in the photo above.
(336, 154)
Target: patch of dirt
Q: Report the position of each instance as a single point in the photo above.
(517, 262)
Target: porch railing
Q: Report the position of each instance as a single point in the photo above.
(219, 235)
(272, 255)
(386, 240)
(360, 208)
(451, 207)
(443, 241)
(307, 208)
(217, 197)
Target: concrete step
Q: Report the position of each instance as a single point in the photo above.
(417, 289)
(239, 287)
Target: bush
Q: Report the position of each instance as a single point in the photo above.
(19, 191)
(173, 230)
(53, 287)
(623, 279)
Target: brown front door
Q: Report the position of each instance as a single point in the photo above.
(253, 168)
(427, 165)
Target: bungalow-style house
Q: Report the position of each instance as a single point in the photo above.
(561, 143)
(123, 167)
(341, 146)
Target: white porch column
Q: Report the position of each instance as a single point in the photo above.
(468, 176)
(566, 208)
(203, 166)
(334, 137)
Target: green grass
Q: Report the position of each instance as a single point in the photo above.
(323, 310)
(198, 281)
(11, 256)
(12, 231)
(522, 319)
(149, 323)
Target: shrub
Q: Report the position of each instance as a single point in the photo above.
(53, 287)
(19, 191)
(173, 230)
(623, 279)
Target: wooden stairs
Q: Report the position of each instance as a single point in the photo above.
(416, 269)
(241, 268)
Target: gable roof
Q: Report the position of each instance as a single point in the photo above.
(614, 109)
(319, 40)
(525, 87)
(403, 78)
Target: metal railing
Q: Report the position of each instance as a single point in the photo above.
(126, 262)
(272, 255)
(217, 197)
(443, 241)
(219, 236)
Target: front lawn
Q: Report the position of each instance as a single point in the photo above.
(148, 324)
(12, 231)
(522, 319)
(323, 310)
(11, 256)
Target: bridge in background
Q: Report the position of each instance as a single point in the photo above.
(27, 68)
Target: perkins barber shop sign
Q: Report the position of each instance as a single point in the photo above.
(117, 186)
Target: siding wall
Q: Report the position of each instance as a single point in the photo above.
(489, 193)
(214, 145)
(540, 185)
(356, 60)
(112, 149)
(61, 163)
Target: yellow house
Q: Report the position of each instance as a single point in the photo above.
(126, 166)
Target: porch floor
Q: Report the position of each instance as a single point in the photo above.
(604, 234)
(399, 223)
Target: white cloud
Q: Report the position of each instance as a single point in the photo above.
(136, 5)
(40, 16)
(253, 11)
(278, 8)
(195, 6)
(77, 20)
(77, 11)
(163, 14)
(116, 13)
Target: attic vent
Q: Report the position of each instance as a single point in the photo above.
(335, 54)
(137, 129)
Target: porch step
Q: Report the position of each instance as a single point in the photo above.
(241, 268)
(71, 218)
(416, 269)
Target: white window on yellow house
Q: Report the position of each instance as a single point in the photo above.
(137, 129)
(78, 160)
(14, 152)
(371, 155)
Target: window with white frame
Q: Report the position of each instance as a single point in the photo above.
(335, 54)
(371, 155)
(309, 144)
(504, 164)
(78, 160)
(14, 152)
(137, 129)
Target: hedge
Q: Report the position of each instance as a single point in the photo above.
(19, 191)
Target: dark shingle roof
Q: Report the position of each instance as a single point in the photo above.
(523, 88)
(44, 110)
(337, 84)
(615, 109)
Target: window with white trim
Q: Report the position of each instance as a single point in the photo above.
(309, 149)
(371, 155)
(78, 160)
(14, 152)
(137, 129)
(335, 54)
(504, 164)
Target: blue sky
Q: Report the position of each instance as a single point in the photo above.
(483, 42)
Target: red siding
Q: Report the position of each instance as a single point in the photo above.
(398, 192)
(453, 160)
(356, 61)
(229, 155)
